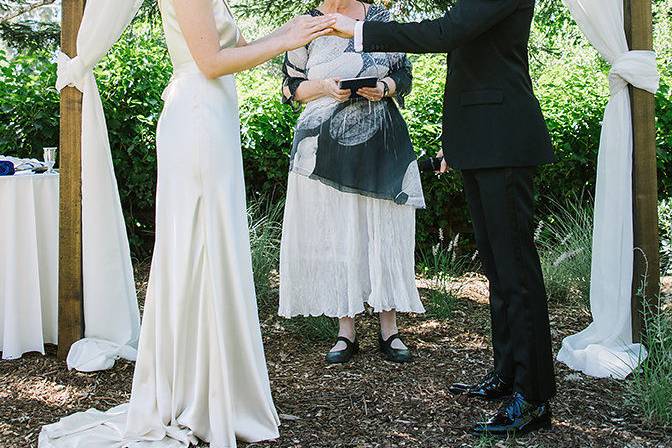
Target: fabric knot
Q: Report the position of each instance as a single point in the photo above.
(70, 72)
(636, 67)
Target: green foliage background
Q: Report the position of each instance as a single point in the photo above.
(570, 80)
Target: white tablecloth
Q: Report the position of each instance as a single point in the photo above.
(28, 263)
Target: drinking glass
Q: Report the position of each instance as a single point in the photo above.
(50, 158)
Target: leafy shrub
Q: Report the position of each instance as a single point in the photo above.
(131, 79)
(28, 104)
(267, 129)
(573, 101)
(446, 206)
(572, 90)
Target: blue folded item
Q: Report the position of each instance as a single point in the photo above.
(6, 168)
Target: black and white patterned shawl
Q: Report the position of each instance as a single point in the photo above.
(358, 146)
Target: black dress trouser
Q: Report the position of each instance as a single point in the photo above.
(501, 202)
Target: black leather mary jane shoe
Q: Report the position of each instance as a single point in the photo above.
(517, 416)
(390, 353)
(343, 356)
(491, 387)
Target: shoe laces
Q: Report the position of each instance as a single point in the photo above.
(513, 406)
(489, 377)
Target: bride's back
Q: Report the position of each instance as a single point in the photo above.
(177, 45)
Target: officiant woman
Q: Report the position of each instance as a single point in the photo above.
(349, 225)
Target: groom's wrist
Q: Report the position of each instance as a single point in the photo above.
(358, 36)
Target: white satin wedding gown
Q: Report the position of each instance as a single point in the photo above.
(201, 370)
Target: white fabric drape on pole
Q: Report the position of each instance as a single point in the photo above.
(605, 348)
(111, 314)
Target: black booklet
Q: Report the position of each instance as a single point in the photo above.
(353, 84)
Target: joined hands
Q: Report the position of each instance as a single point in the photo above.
(302, 30)
(444, 165)
(343, 26)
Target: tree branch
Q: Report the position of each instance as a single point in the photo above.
(21, 10)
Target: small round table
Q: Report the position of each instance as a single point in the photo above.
(28, 263)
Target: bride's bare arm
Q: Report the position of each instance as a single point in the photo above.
(242, 42)
(198, 26)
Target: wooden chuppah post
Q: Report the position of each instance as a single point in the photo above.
(639, 31)
(70, 286)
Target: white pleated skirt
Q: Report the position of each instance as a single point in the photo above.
(340, 251)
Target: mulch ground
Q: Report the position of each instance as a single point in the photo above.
(369, 403)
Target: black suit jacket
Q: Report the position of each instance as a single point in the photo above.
(491, 116)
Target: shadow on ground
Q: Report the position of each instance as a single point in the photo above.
(369, 403)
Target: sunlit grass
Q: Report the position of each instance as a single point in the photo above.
(444, 265)
(651, 386)
(265, 223)
(564, 239)
(319, 328)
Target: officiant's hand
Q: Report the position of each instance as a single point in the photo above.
(330, 88)
(444, 165)
(302, 30)
(372, 93)
(344, 26)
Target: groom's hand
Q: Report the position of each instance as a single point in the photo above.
(444, 165)
(344, 26)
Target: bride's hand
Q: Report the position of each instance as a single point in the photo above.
(302, 30)
(330, 88)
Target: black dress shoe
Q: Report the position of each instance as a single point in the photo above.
(492, 387)
(399, 355)
(343, 356)
(516, 416)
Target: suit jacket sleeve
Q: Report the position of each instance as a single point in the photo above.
(462, 23)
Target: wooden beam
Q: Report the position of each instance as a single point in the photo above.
(646, 275)
(70, 286)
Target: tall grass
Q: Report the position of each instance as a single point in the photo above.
(445, 260)
(564, 239)
(565, 242)
(319, 328)
(665, 226)
(651, 386)
(444, 266)
(265, 221)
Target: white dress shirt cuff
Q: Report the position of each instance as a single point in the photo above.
(359, 36)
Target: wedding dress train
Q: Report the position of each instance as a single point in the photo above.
(201, 370)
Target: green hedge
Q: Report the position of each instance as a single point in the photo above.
(132, 77)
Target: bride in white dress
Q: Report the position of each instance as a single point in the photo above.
(201, 371)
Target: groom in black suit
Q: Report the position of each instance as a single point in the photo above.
(495, 134)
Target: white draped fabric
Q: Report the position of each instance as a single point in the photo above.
(111, 315)
(28, 263)
(605, 348)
